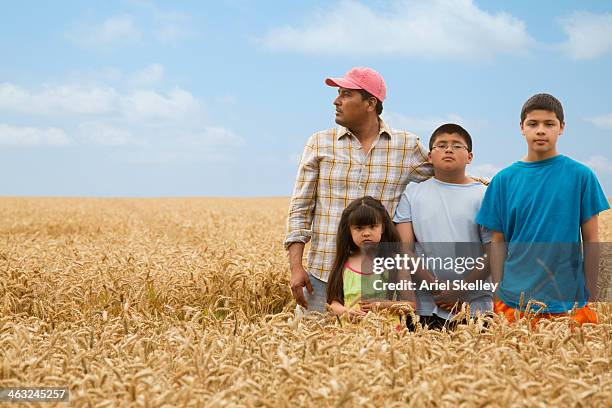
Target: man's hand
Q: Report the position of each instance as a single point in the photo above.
(299, 276)
(299, 279)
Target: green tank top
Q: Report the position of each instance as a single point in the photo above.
(359, 285)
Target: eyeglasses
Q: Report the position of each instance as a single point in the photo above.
(455, 146)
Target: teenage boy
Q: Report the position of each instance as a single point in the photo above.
(440, 215)
(541, 206)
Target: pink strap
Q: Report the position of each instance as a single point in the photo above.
(346, 265)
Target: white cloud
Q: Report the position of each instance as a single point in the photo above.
(599, 164)
(98, 100)
(589, 35)
(116, 30)
(97, 76)
(32, 137)
(58, 99)
(172, 26)
(216, 136)
(154, 25)
(148, 157)
(213, 144)
(438, 29)
(150, 104)
(104, 134)
(163, 143)
(602, 121)
(82, 100)
(422, 125)
(483, 170)
(152, 157)
(142, 125)
(149, 75)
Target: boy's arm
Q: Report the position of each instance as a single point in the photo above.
(405, 295)
(590, 238)
(406, 234)
(447, 299)
(481, 274)
(497, 255)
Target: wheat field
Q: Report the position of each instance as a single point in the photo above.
(185, 302)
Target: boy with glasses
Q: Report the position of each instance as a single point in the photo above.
(440, 216)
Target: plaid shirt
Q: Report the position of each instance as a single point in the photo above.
(334, 171)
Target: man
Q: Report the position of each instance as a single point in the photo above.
(362, 156)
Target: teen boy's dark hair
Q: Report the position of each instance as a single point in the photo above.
(451, 128)
(365, 95)
(545, 102)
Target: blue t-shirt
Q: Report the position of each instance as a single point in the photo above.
(539, 207)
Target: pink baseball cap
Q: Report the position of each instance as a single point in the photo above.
(361, 78)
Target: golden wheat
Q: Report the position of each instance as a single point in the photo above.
(185, 302)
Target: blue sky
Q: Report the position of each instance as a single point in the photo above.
(143, 98)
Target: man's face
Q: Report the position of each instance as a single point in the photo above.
(449, 153)
(364, 235)
(351, 108)
(541, 129)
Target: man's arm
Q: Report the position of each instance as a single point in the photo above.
(421, 169)
(299, 276)
(299, 221)
(590, 238)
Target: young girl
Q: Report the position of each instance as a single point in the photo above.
(364, 224)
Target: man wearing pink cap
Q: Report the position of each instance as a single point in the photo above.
(362, 156)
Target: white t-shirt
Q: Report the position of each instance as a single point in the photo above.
(443, 217)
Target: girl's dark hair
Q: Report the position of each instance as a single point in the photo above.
(362, 211)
